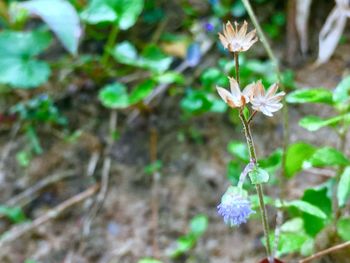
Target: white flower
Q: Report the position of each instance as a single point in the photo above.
(235, 98)
(235, 39)
(268, 102)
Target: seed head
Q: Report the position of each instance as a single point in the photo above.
(236, 39)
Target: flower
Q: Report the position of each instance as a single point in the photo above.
(237, 40)
(268, 102)
(234, 206)
(235, 98)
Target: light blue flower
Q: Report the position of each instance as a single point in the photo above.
(235, 207)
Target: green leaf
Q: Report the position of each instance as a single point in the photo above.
(169, 77)
(154, 59)
(259, 176)
(291, 242)
(321, 199)
(317, 95)
(126, 53)
(123, 13)
(296, 154)
(343, 228)
(306, 208)
(61, 17)
(342, 91)
(198, 225)
(141, 91)
(15, 214)
(18, 67)
(149, 260)
(343, 192)
(238, 149)
(114, 96)
(314, 123)
(153, 167)
(327, 156)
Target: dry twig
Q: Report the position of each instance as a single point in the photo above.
(19, 230)
(325, 252)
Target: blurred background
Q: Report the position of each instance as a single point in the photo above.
(115, 147)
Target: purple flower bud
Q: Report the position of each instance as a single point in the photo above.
(209, 27)
(235, 207)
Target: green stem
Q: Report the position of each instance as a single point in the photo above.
(282, 179)
(109, 45)
(253, 159)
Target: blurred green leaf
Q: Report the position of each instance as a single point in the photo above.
(15, 214)
(114, 96)
(122, 13)
(234, 169)
(153, 167)
(343, 192)
(141, 91)
(62, 19)
(212, 77)
(41, 109)
(259, 176)
(23, 158)
(238, 9)
(170, 77)
(154, 59)
(126, 53)
(316, 95)
(342, 91)
(183, 245)
(306, 208)
(272, 161)
(296, 154)
(314, 123)
(151, 58)
(199, 225)
(18, 67)
(327, 156)
(343, 228)
(239, 150)
(320, 198)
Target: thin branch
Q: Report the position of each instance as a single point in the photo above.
(29, 194)
(325, 252)
(19, 230)
(101, 196)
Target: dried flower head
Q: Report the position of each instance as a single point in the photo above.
(235, 98)
(236, 39)
(235, 207)
(268, 102)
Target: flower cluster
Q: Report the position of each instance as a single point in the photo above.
(235, 207)
(265, 102)
(237, 40)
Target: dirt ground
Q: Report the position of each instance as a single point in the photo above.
(193, 178)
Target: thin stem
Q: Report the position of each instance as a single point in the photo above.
(235, 54)
(252, 116)
(110, 42)
(253, 159)
(273, 58)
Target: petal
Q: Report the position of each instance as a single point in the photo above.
(266, 111)
(243, 30)
(251, 36)
(227, 97)
(249, 90)
(272, 90)
(273, 107)
(223, 40)
(259, 90)
(235, 91)
(230, 31)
